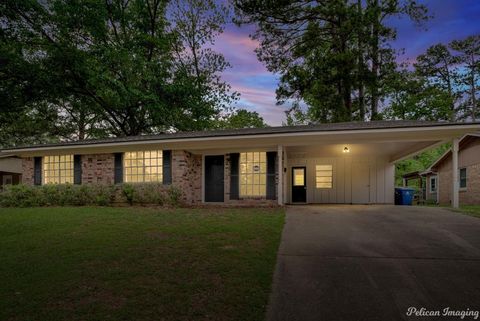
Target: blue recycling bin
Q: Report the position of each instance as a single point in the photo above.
(404, 196)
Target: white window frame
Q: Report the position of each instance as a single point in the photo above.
(58, 173)
(130, 167)
(331, 176)
(460, 179)
(433, 178)
(252, 159)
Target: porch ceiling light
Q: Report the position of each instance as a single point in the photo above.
(346, 150)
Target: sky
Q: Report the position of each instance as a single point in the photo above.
(452, 19)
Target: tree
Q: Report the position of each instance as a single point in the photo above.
(414, 97)
(332, 55)
(438, 65)
(418, 163)
(469, 55)
(197, 23)
(109, 65)
(242, 118)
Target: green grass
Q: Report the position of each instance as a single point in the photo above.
(472, 210)
(137, 263)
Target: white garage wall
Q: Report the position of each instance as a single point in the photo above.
(376, 172)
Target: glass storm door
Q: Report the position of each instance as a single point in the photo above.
(299, 186)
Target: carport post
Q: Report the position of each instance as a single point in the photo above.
(280, 175)
(455, 173)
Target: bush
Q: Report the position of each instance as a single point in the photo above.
(91, 194)
(149, 193)
(128, 192)
(21, 196)
(174, 196)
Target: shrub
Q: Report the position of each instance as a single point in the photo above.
(21, 196)
(79, 195)
(148, 193)
(128, 192)
(174, 195)
(103, 195)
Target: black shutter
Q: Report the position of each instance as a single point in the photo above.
(271, 168)
(167, 167)
(77, 169)
(37, 171)
(118, 172)
(234, 184)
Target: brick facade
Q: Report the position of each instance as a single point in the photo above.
(445, 186)
(468, 196)
(98, 169)
(186, 175)
(27, 170)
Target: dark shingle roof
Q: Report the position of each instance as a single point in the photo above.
(253, 131)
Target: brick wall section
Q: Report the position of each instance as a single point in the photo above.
(186, 175)
(27, 170)
(98, 169)
(445, 186)
(469, 196)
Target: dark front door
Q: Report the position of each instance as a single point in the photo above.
(214, 180)
(299, 186)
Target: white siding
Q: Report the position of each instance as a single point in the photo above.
(380, 178)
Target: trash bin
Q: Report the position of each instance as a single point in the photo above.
(404, 196)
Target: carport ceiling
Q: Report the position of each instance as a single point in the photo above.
(393, 151)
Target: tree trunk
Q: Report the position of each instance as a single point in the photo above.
(375, 62)
(472, 89)
(361, 100)
(360, 67)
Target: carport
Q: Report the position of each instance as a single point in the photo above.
(352, 166)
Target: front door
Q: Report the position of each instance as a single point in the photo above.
(360, 183)
(299, 186)
(214, 180)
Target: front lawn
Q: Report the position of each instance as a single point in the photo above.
(137, 263)
(472, 210)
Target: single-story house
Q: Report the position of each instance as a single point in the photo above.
(439, 174)
(346, 163)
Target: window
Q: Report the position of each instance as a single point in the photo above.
(143, 166)
(253, 174)
(324, 175)
(463, 178)
(298, 177)
(58, 169)
(433, 184)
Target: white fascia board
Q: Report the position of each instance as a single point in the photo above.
(376, 132)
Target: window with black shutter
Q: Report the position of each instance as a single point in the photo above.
(167, 167)
(37, 171)
(118, 172)
(234, 182)
(77, 169)
(271, 169)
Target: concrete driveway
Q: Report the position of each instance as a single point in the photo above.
(374, 262)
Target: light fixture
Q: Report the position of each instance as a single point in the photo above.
(346, 150)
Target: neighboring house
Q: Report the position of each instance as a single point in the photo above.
(439, 175)
(328, 163)
(10, 170)
(426, 182)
